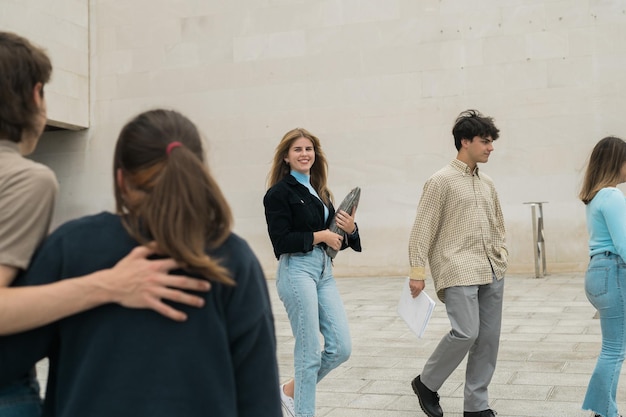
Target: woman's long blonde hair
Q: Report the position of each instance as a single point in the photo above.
(604, 168)
(319, 170)
(181, 207)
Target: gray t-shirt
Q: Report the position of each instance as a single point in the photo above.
(27, 193)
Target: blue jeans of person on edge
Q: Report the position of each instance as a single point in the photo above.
(605, 286)
(21, 398)
(307, 288)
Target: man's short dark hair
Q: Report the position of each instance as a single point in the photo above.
(22, 66)
(472, 123)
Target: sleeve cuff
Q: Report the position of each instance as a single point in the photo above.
(356, 231)
(418, 273)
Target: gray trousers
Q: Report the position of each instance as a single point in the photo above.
(475, 313)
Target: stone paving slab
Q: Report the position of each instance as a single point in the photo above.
(549, 345)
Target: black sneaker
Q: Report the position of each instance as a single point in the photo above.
(429, 400)
(484, 413)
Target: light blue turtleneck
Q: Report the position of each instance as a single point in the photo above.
(606, 222)
(306, 181)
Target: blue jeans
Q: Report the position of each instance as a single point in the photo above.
(307, 288)
(605, 285)
(20, 398)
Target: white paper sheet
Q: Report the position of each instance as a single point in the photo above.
(417, 311)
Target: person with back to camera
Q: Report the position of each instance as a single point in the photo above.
(459, 230)
(111, 361)
(27, 193)
(606, 273)
(298, 211)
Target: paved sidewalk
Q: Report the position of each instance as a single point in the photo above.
(549, 345)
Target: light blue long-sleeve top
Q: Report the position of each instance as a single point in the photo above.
(306, 181)
(606, 222)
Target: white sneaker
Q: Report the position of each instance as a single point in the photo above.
(287, 402)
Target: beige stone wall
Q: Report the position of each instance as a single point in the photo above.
(62, 28)
(380, 82)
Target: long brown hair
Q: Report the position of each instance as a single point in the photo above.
(319, 170)
(604, 167)
(181, 206)
(22, 66)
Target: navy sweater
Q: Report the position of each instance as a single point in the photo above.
(113, 361)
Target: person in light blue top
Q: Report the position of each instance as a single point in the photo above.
(605, 280)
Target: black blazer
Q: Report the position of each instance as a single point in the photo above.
(293, 214)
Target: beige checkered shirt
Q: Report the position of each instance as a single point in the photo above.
(459, 229)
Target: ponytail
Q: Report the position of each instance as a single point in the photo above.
(181, 206)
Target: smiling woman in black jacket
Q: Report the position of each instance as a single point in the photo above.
(298, 211)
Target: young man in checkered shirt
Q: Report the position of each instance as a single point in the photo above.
(459, 230)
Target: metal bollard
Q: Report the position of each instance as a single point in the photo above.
(539, 244)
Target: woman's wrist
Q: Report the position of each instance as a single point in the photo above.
(318, 237)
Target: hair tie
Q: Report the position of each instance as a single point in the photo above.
(171, 146)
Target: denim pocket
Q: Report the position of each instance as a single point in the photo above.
(597, 280)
